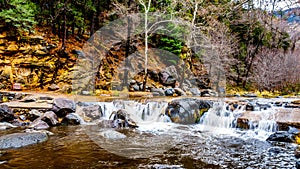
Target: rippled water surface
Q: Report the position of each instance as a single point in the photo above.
(173, 146)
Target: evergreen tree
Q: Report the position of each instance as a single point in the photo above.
(19, 15)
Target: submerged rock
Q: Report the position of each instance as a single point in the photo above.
(187, 110)
(112, 135)
(18, 140)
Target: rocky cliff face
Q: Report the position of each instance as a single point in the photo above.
(37, 62)
(31, 62)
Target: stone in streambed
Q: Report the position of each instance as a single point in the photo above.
(62, 106)
(179, 92)
(187, 110)
(18, 140)
(157, 92)
(282, 136)
(90, 112)
(39, 125)
(5, 125)
(169, 92)
(6, 114)
(72, 119)
(195, 92)
(112, 135)
(50, 118)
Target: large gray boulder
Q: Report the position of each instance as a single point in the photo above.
(187, 110)
(18, 140)
(6, 114)
(62, 106)
(90, 113)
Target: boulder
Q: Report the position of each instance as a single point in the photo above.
(135, 87)
(179, 92)
(157, 91)
(29, 98)
(17, 86)
(18, 140)
(250, 107)
(53, 87)
(208, 93)
(6, 114)
(298, 164)
(172, 71)
(34, 114)
(62, 107)
(122, 119)
(132, 82)
(169, 92)
(166, 79)
(39, 125)
(296, 102)
(195, 91)
(187, 110)
(282, 136)
(154, 75)
(90, 113)
(50, 118)
(72, 119)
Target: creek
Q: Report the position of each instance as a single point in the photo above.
(215, 142)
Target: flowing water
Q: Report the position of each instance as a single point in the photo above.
(158, 143)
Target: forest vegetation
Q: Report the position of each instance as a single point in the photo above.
(258, 46)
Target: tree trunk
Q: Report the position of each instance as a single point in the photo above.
(64, 37)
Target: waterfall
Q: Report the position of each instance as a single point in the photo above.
(266, 120)
(218, 116)
(139, 112)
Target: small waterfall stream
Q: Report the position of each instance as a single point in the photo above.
(152, 113)
(215, 142)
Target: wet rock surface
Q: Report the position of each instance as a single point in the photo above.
(6, 114)
(18, 140)
(90, 113)
(62, 106)
(282, 136)
(192, 148)
(187, 110)
(72, 119)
